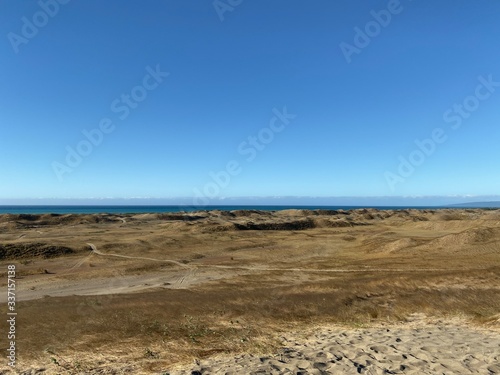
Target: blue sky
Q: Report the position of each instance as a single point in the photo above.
(351, 119)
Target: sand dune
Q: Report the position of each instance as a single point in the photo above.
(256, 291)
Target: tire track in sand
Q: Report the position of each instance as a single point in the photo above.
(179, 283)
(97, 252)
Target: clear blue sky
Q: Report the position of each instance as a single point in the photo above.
(228, 70)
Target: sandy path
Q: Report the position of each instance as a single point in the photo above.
(180, 282)
(416, 348)
(95, 251)
(57, 286)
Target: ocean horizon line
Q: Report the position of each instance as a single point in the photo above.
(139, 209)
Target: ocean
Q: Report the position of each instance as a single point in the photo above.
(162, 209)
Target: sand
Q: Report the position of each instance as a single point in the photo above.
(418, 347)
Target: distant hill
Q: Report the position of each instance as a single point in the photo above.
(477, 205)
